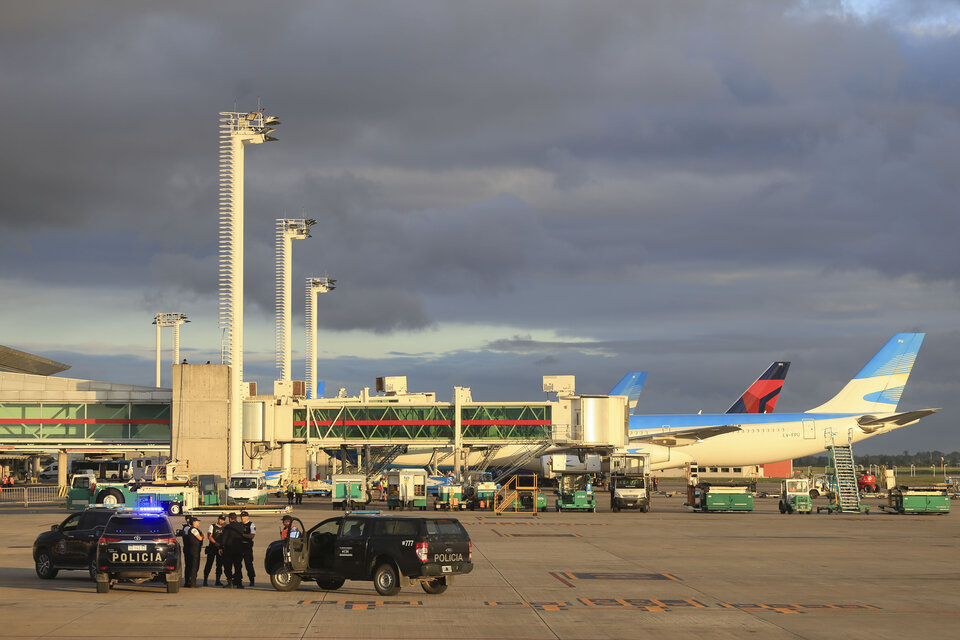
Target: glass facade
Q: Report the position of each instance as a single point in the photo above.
(429, 422)
(84, 421)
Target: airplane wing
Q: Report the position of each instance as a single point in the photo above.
(682, 437)
(871, 424)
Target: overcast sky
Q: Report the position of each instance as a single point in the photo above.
(504, 190)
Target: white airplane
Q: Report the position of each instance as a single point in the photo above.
(865, 407)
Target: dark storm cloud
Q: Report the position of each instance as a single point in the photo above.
(690, 185)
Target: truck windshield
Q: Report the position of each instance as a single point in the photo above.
(630, 483)
(243, 483)
(445, 528)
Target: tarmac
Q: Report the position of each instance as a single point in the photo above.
(668, 573)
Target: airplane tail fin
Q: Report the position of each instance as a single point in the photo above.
(630, 386)
(762, 395)
(879, 385)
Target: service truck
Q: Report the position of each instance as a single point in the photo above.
(629, 481)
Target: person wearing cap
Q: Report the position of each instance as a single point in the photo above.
(288, 529)
(192, 542)
(214, 533)
(231, 541)
(249, 533)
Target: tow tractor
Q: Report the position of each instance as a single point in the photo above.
(167, 486)
(795, 496)
(629, 482)
(575, 492)
(450, 498)
(478, 493)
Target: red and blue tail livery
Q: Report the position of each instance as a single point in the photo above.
(762, 395)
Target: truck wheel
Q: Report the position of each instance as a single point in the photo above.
(92, 568)
(173, 586)
(175, 508)
(285, 580)
(782, 509)
(814, 494)
(103, 587)
(435, 586)
(385, 580)
(110, 496)
(615, 507)
(331, 584)
(645, 508)
(44, 566)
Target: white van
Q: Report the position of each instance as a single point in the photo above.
(247, 487)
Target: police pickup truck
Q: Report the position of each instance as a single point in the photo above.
(388, 550)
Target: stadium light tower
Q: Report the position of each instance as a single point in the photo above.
(237, 130)
(169, 320)
(287, 231)
(315, 286)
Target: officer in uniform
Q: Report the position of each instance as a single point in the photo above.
(231, 541)
(214, 533)
(192, 542)
(249, 533)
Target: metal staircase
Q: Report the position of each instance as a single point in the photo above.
(487, 458)
(386, 460)
(522, 459)
(510, 495)
(844, 469)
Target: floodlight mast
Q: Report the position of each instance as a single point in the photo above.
(236, 131)
(288, 229)
(315, 286)
(169, 320)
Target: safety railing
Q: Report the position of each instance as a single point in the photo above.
(30, 495)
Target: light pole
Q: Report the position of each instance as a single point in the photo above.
(169, 320)
(287, 231)
(315, 286)
(236, 131)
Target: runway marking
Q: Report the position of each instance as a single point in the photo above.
(537, 535)
(649, 605)
(535, 523)
(616, 575)
(365, 605)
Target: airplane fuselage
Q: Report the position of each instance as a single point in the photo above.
(762, 438)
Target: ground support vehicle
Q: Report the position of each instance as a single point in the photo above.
(715, 498)
(407, 488)
(174, 499)
(867, 483)
(247, 487)
(478, 493)
(139, 547)
(630, 492)
(524, 502)
(575, 492)
(390, 551)
(349, 491)
(450, 498)
(72, 544)
(921, 499)
(795, 496)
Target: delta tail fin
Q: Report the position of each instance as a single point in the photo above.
(879, 385)
(630, 386)
(762, 395)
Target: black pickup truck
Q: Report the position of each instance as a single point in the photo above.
(388, 550)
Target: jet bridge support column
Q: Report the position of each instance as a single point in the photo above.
(460, 396)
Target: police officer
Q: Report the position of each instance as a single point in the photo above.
(249, 533)
(214, 533)
(192, 542)
(231, 541)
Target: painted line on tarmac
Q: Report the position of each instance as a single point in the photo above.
(616, 575)
(648, 605)
(537, 535)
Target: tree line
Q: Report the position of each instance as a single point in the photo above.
(905, 459)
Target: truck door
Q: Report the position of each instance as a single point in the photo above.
(297, 548)
(350, 554)
(317, 550)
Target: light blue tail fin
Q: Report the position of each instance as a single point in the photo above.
(879, 385)
(631, 385)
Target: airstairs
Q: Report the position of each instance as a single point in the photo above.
(847, 496)
(511, 495)
(386, 460)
